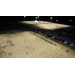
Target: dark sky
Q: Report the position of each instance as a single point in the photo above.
(41, 17)
(59, 19)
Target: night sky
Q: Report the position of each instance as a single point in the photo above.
(56, 19)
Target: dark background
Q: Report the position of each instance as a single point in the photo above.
(61, 19)
(8, 22)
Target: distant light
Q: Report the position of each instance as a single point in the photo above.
(71, 44)
(51, 18)
(36, 21)
(56, 20)
(70, 19)
(24, 16)
(36, 17)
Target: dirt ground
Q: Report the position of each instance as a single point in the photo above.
(26, 45)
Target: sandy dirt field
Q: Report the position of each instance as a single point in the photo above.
(26, 45)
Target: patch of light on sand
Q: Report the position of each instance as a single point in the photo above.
(46, 25)
(53, 27)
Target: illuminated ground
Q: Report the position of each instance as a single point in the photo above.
(46, 25)
(25, 45)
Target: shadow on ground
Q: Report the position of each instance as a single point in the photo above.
(12, 27)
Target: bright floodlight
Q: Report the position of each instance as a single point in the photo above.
(56, 20)
(35, 21)
(51, 18)
(70, 19)
(36, 17)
